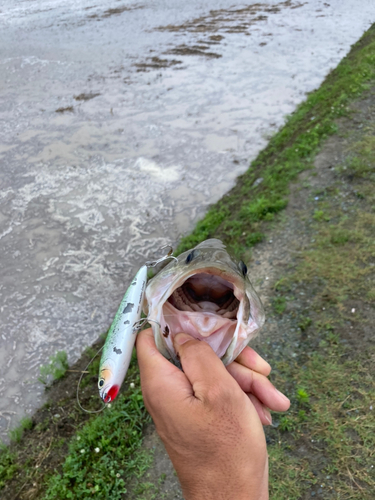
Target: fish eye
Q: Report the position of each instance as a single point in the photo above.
(101, 382)
(243, 268)
(190, 257)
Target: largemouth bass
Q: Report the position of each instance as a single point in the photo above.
(207, 295)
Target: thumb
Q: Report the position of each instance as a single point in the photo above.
(202, 367)
(158, 375)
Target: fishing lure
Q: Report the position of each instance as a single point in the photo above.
(118, 347)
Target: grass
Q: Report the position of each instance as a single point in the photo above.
(332, 418)
(8, 465)
(240, 218)
(17, 433)
(55, 369)
(325, 443)
(101, 458)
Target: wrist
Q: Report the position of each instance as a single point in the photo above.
(226, 484)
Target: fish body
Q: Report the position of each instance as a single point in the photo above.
(207, 295)
(118, 347)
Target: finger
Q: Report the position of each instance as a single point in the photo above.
(201, 365)
(157, 373)
(263, 412)
(257, 384)
(251, 359)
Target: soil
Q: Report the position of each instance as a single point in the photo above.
(86, 96)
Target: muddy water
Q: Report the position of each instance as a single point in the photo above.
(119, 123)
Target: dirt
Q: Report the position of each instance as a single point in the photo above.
(86, 96)
(156, 63)
(67, 109)
(114, 11)
(194, 50)
(228, 19)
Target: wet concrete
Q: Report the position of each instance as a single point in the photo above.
(118, 126)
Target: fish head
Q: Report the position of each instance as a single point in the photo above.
(208, 295)
(108, 388)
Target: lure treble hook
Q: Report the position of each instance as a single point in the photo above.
(153, 263)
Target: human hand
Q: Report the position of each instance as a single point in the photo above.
(250, 371)
(209, 426)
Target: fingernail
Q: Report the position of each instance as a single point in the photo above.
(282, 395)
(181, 338)
(267, 416)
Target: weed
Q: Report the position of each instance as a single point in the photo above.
(254, 238)
(8, 465)
(17, 433)
(162, 478)
(305, 323)
(286, 424)
(279, 304)
(283, 285)
(320, 216)
(302, 415)
(56, 368)
(302, 396)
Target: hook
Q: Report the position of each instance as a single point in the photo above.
(153, 263)
(141, 323)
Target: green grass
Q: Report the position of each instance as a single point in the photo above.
(240, 218)
(17, 433)
(8, 465)
(325, 442)
(336, 422)
(55, 369)
(102, 458)
(279, 304)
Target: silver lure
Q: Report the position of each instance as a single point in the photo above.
(118, 347)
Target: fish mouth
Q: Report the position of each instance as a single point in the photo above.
(208, 305)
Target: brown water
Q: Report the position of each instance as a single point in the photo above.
(120, 122)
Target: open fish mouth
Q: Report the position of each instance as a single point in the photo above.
(207, 296)
(204, 306)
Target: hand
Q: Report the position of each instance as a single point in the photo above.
(209, 426)
(251, 371)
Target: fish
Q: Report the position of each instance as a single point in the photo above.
(118, 347)
(208, 295)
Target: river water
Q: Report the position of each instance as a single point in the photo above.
(120, 122)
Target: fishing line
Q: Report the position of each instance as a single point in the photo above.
(136, 326)
(79, 383)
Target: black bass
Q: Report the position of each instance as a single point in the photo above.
(206, 294)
